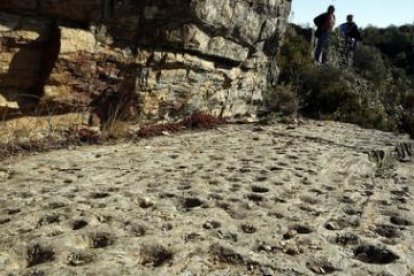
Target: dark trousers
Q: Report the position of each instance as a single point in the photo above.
(322, 46)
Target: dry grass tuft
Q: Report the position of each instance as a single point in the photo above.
(197, 120)
(157, 130)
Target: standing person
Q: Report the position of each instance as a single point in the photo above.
(325, 23)
(350, 35)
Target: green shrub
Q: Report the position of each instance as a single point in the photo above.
(408, 99)
(369, 64)
(408, 122)
(329, 94)
(282, 99)
(374, 117)
(324, 91)
(294, 57)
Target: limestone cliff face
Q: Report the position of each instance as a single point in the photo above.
(151, 59)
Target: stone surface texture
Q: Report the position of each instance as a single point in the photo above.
(158, 59)
(321, 198)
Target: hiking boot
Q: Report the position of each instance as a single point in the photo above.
(317, 63)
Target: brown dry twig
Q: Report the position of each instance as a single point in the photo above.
(197, 120)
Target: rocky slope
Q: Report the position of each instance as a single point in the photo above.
(322, 198)
(146, 60)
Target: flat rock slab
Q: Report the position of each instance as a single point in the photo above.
(240, 200)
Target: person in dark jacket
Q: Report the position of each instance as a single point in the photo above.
(350, 37)
(325, 23)
(349, 31)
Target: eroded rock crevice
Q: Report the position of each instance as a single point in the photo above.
(29, 50)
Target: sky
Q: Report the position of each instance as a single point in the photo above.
(379, 13)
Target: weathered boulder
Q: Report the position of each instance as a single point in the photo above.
(162, 58)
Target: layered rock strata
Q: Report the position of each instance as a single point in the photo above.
(152, 60)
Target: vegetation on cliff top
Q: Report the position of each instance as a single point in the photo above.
(376, 92)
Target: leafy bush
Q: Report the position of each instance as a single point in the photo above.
(408, 98)
(369, 64)
(408, 122)
(282, 99)
(324, 91)
(330, 94)
(374, 117)
(294, 58)
(407, 116)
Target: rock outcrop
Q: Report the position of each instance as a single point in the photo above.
(147, 60)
